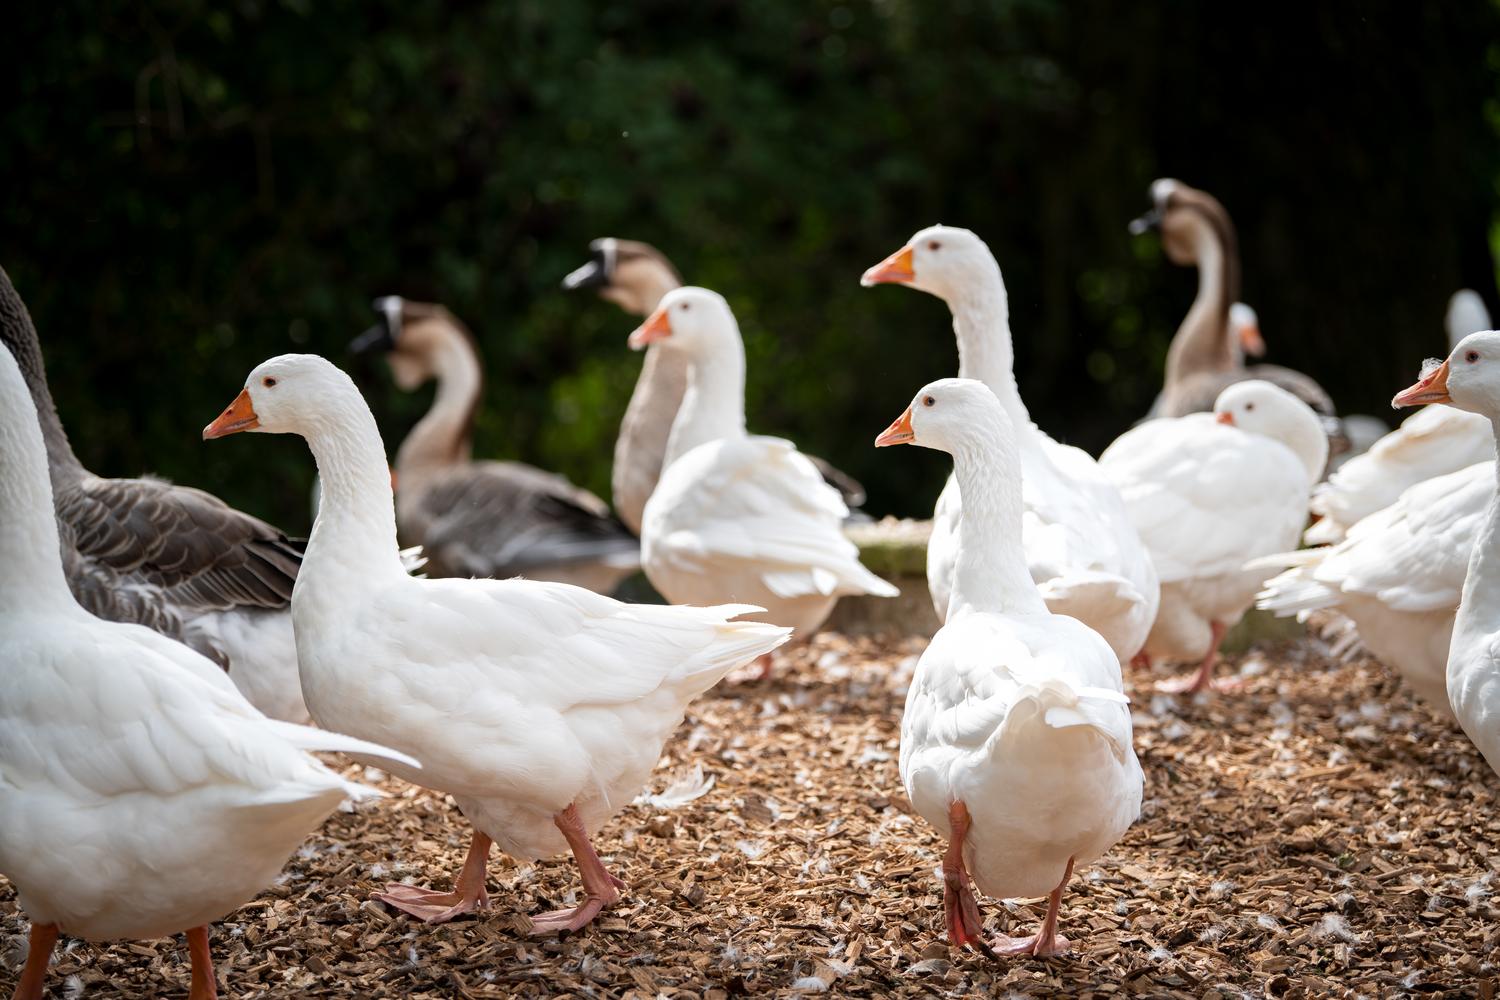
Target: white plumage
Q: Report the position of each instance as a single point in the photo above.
(1209, 493)
(541, 707)
(1397, 575)
(1016, 739)
(1080, 545)
(141, 794)
(739, 517)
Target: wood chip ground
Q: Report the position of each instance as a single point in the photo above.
(1316, 835)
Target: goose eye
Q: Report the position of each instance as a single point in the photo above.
(934, 245)
(1471, 356)
(1249, 407)
(928, 401)
(269, 382)
(685, 306)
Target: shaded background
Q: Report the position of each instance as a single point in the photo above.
(192, 187)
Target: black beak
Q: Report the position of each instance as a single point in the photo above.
(382, 336)
(590, 275)
(600, 269)
(1151, 220)
(376, 338)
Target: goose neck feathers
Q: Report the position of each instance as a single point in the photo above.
(957, 266)
(307, 395)
(703, 330)
(19, 336)
(1197, 230)
(438, 347)
(29, 544)
(963, 418)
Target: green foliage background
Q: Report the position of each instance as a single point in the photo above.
(195, 186)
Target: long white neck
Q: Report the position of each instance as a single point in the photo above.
(356, 524)
(981, 324)
(713, 408)
(992, 574)
(1204, 342)
(443, 437)
(31, 571)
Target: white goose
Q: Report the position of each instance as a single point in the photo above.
(140, 793)
(739, 517)
(1016, 740)
(540, 707)
(1470, 379)
(1397, 575)
(1209, 493)
(635, 276)
(1083, 551)
(1432, 442)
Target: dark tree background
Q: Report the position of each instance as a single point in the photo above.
(192, 187)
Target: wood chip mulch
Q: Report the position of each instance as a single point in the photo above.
(1317, 834)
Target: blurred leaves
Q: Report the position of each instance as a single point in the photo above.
(194, 187)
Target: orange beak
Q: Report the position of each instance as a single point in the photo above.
(1225, 418)
(1432, 389)
(239, 417)
(1251, 342)
(658, 326)
(899, 432)
(895, 269)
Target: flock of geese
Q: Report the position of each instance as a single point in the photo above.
(165, 654)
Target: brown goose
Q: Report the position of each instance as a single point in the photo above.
(483, 519)
(175, 559)
(1207, 353)
(635, 276)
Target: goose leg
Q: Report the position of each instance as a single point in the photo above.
(205, 986)
(434, 907)
(1141, 661)
(756, 670)
(600, 888)
(1203, 678)
(960, 908)
(1046, 941)
(38, 956)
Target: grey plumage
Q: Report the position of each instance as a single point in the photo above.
(144, 550)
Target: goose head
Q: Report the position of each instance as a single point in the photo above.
(944, 415)
(1267, 410)
(413, 335)
(1469, 379)
(289, 394)
(939, 260)
(1245, 325)
(1185, 216)
(693, 320)
(631, 274)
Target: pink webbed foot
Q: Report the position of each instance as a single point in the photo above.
(1046, 941)
(432, 906)
(600, 888)
(1033, 945)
